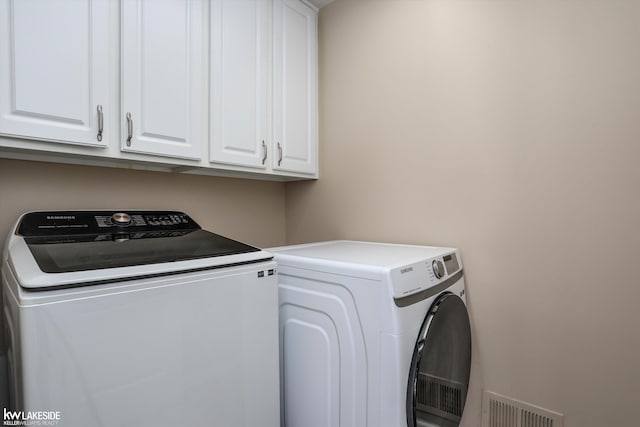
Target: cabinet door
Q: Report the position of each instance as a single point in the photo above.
(163, 77)
(238, 105)
(295, 87)
(53, 70)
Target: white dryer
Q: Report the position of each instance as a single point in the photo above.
(372, 335)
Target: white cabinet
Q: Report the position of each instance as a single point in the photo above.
(199, 86)
(295, 87)
(263, 106)
(53, 70)
(163, 78)
(239, 75)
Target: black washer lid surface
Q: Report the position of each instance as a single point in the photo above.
(68, 241)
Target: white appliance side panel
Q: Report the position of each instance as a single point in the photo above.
(12, 338)
(329, 347)
(197, 349)
(395, 354)
(311, 380)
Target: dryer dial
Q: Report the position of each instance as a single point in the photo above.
(438, 268)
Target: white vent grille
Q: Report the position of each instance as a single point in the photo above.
(501, 411)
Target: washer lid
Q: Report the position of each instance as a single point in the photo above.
(107, 251)
(117, 245)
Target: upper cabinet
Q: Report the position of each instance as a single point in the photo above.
(239, 82)
(263, 103)
(204, 86)
(163, 78)
(53, 66)
(295, 96)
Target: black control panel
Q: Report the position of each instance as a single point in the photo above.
(98, 225)
(66, 241)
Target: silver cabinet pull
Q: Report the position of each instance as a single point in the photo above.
(100, 122)
(279, 154)
(129, 129)
(264, 150)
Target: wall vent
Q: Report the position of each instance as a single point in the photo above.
(501, 411)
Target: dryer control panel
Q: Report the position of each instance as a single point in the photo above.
(422, 275)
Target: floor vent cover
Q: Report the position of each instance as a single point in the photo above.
(501, 411)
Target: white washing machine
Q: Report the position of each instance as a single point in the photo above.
(138, 319)
(372, 335)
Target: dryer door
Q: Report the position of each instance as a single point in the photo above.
(439, 372)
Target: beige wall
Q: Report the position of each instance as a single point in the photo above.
(510, 129)
(246, 210)
(507, 128)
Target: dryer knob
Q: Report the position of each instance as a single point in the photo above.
(438, 268)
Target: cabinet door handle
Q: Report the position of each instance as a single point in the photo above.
(129, 129)
(279, 154)
(100, 122)
(264, 150)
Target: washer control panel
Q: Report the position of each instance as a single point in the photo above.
(160, 219)
(62, 223)
(167, 219)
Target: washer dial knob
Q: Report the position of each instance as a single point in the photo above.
(121, 218)
(438, 268)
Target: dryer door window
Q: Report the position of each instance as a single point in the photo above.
(439, 372)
